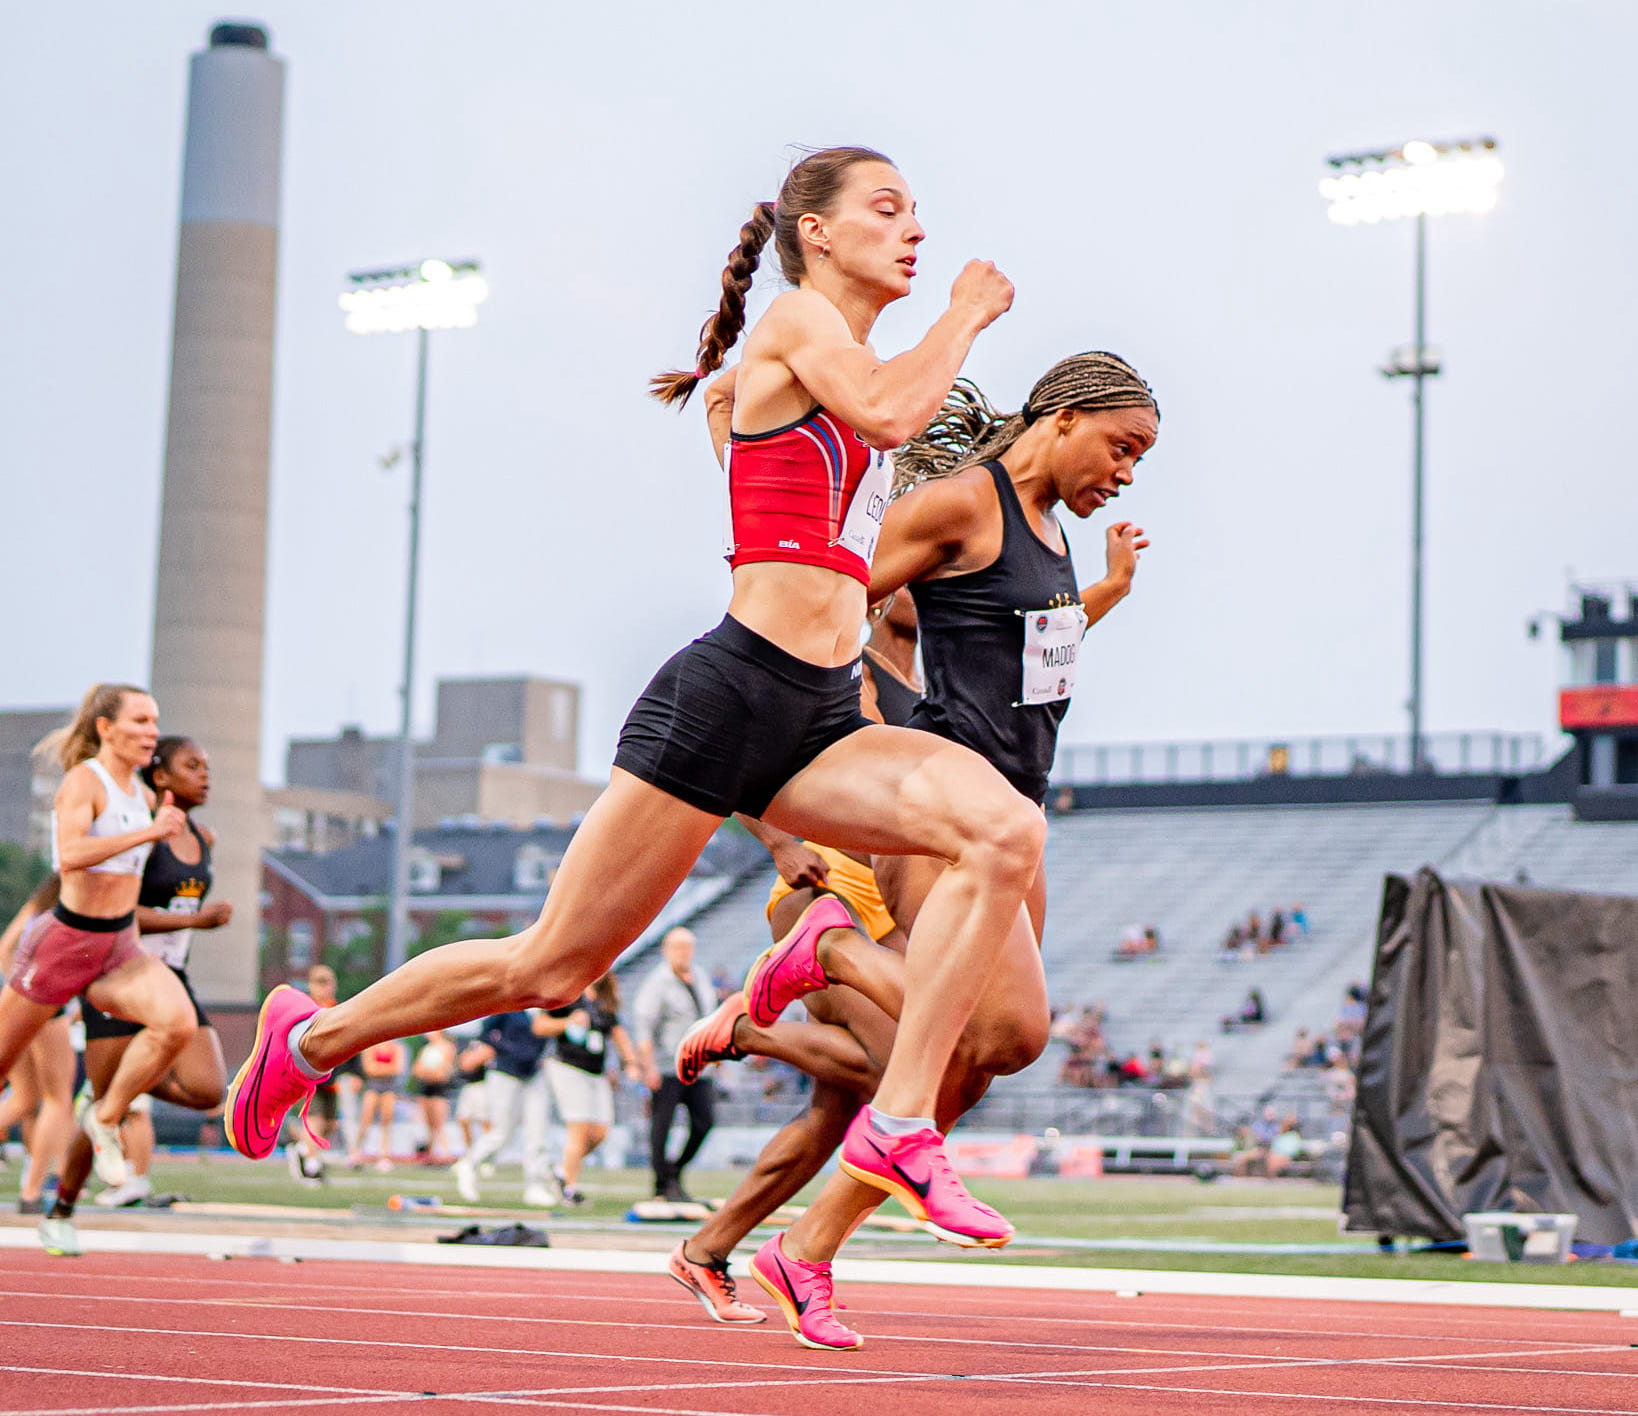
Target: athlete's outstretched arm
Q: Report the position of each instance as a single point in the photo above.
(886, 401)
(1124, 542)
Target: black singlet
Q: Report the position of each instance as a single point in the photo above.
(972, 649)
(165, 878)
(895, 699)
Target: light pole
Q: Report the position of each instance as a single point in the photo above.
(1419, 179)
(432, 295)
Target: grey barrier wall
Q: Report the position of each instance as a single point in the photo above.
(1498, 1068)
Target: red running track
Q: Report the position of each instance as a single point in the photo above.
(115, 1333)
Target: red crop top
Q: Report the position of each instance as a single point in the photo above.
(811, 492)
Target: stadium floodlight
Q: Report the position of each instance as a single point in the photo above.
(1417, 179)
(435, 294)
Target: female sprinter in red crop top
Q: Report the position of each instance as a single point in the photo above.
(761, 715)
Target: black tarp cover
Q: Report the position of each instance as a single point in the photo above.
(1499, 1066)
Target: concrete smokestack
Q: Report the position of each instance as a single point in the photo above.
(208, 600)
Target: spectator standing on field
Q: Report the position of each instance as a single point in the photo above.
(582, 1085)
(671, 1000)
(434, 1074)
(384, 1068)
(516, 1093)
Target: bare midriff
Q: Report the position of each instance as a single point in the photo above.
(813, 614)
(100, 896)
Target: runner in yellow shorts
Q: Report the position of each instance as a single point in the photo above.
(851, 879)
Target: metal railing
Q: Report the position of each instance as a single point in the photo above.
(1244, 759)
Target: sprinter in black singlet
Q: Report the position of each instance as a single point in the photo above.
(1001, 618)
(176, 878)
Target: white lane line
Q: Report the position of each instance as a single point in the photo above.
(1323, 1397)
(127, 1376)
(284, 1404)
(511, 1295)
(1250, 1358)
(886, 1373)
(921, 1272)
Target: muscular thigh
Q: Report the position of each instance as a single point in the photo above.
(893, 791)
(142, 990)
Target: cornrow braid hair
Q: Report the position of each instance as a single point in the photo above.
(967, 429)
(719, 333)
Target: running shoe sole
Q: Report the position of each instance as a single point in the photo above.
(687, 1074)
(918, 1211)
(793, 1318)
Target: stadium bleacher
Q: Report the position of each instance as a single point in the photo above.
(1193, 873)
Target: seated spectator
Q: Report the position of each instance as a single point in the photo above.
(1299, 917)
(1286, 1148)
(1131, 943)
(1254, 930)
(1132, 1071)
(1353, 1005)
(1151, 940)
(1253, 1013)
(1301, 1048)
(1276, 929)
(1266, 1127)
(1249, 1156)
(1233, 939)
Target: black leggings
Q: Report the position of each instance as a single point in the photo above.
(699, 1098)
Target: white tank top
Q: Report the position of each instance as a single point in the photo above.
(125, 811)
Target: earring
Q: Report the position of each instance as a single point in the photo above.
(824, 253)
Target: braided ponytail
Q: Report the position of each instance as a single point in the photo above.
(719, 333)
(811, 187)
(967, 430)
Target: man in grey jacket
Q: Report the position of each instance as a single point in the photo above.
(671, 1000)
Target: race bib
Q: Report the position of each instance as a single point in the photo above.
(172, 947)
(863, 523)
(727, 501)
(1052, 643)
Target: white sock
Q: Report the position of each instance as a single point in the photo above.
(293, 1040)
(884, 1125)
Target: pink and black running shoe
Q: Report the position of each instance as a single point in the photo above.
(804, 1294)
(783, 972)
(270, 1083)
(714, 1288)
(916, 1171)
(710, 1040)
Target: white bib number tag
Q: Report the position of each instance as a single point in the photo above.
(1052, 643)
(863, 522)
(727, 502)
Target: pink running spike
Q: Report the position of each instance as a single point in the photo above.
(785, 971)
(916, 1171)
(803, 1292)
(270, 1083)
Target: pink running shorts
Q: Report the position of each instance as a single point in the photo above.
(58, 956)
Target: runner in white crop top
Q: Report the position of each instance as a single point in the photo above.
(102, 832)
(125, 812)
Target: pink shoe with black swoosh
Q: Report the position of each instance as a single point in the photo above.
(270, 1083)
(916, 1171)
(783, 972)
(803, 1292)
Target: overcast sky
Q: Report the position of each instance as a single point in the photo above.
(1147, 176)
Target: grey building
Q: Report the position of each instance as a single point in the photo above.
(504, 749)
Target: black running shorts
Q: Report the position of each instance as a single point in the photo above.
(730, 719)
(100, 1024)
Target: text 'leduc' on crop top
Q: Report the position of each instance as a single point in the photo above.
(811, 492)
